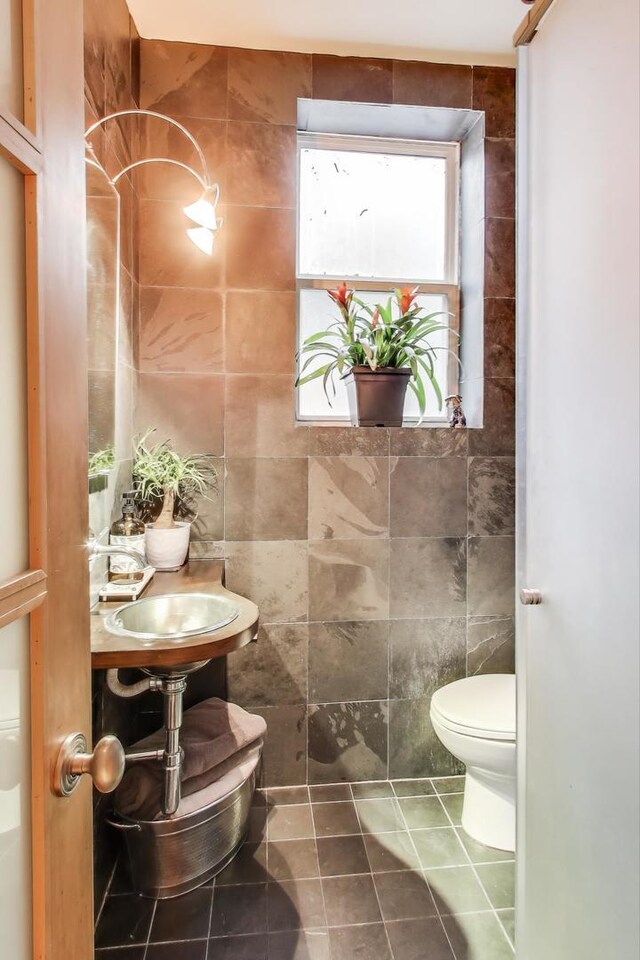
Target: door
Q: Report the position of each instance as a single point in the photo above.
(45, 842)
(578, 430)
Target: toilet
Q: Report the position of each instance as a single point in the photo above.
(475, 719)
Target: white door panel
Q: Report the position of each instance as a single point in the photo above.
(578, 516)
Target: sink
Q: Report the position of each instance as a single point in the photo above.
(172, 616)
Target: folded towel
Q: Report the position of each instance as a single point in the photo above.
(213, 734)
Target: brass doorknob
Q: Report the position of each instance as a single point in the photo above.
(105, 765)
(530, 597)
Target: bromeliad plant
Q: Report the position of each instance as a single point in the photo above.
(168, 479)
(395, 334)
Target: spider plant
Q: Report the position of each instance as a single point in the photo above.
(102, 461)
(162, 476)
(393, 334)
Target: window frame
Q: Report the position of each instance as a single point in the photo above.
(449, 287)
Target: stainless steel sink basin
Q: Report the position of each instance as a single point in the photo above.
(173, 616)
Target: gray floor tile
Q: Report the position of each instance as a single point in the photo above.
(248, 866)
(239, 910)
(366, 942)
(257, 827)
(404, 895)
(444, 785)
(456, 890)
(339, 856)
(508, 920)
(479, 853)
(290, 822)
(299, 945)
(422, 812)
(293, 860)
(183, 918)
(413, 788)
(421, 939)
(498, 880)
(350, 900)
(287, 795)
(439, 847)
(253, 947)
(185, 950)
(335, 819)
(295, 905)
(324, 792)
(372, 791)
(379, 816)
(453, 806)
(391, 851)
(478, 936)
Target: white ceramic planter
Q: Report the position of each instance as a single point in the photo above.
(167, 549)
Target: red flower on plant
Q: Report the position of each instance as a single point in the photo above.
(341, 296)
(406, 298)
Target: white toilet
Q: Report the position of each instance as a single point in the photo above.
(475, 719)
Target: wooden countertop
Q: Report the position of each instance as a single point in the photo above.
(197, 576)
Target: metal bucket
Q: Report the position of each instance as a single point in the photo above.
(169, 857)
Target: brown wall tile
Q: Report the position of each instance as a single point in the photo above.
(428, 578)
(272, 671)
(427, 442)
(491, 576)
(492, 496)
(497, 437)
(349, 580)
(260, 418)
(273, 574)
(500, 178)
(494, 91)
(180, 330)
(348, 441)
(285, 745)
(187, 409)
(337, 652)
(184, 79)
(499, 337)
(162, 181)
(500, 258)
(432, 84)
(352, 78)
(264, 85)
(261, 248)
(348, 741)
(262, 171)
(348, 498)
(260, 332)
(266, 499)
(428, 497)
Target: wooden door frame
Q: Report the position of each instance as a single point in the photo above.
(47, 147)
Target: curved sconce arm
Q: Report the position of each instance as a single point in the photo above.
(202, 211)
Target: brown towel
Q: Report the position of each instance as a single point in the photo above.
(213, 735)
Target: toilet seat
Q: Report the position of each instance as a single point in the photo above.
(482, 706)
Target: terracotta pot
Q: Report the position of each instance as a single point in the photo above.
(376, 397)
(167, 549)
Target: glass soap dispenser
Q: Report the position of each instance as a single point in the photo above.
(128, 531)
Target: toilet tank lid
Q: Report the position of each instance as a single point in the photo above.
(486, 702)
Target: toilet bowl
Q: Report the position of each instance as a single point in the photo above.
(475, 719)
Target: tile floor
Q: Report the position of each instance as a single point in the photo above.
(372, 871)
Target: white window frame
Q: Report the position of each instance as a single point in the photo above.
(449, 287)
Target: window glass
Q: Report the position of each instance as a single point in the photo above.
(372, 215)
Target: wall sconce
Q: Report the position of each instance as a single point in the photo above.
(203, 210)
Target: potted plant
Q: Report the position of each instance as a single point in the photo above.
(379, 351)
(166, 484)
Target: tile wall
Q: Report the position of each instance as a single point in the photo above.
(382, 560)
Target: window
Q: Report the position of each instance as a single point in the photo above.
(378, 213)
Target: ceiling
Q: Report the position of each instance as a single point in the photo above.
(453, 31)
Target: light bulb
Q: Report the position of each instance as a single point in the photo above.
(203, 239)
(203, 213)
